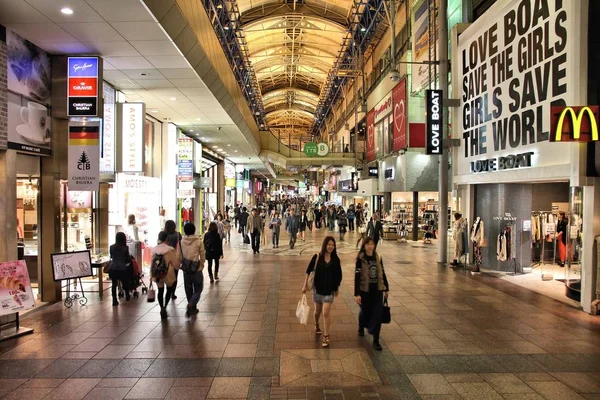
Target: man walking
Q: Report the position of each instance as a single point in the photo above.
(255, 227)
(292, 227)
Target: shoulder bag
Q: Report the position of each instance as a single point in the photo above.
(386, 315)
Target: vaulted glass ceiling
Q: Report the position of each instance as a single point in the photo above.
(292, 46)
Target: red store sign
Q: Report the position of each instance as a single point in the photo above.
(400, 104)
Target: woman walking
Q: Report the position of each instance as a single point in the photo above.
(303, 224)
(310, 216)
(360, 227)
(275, 225)
(165, 264)
(214, 250)
(327, 279)
(119, 266)
(370, 289)
(192, 250)
(173, 240)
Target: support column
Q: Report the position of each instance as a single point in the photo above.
(8, 205)
(443, 166)
(415, 227)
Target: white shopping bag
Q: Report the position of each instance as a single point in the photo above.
(302, 310)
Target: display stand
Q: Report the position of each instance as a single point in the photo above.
(72, 298)
(10, 332)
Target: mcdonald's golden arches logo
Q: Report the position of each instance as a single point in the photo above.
(575, 124)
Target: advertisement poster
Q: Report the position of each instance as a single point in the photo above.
(506, 96)
(371, 136)
(435, 122)
(400, 112)
(15, 288)
(422, 44)
(84, 156)
(77, 264)
(29, 85)
(185, 160)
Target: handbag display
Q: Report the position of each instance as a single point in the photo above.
(386, 315)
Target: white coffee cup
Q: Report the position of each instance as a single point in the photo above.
(36, 116)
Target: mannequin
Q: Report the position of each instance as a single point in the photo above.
(478, 240)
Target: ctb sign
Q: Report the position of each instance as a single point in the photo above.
(575, 124)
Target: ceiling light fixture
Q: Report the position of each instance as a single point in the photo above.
(66, 11)
(362, 29)
(191, 130)
(173, 98)
(235, 151)
(228, 145)
(154, 111)
(143, 74)
(215, 147)
(198, 119)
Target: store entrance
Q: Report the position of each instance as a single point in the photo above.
(27, 227)
(533, 235)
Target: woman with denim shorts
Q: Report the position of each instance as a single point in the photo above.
(327, 279)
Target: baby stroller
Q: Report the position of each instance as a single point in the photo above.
(135, 280)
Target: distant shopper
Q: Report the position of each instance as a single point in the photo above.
(236, 214)
(303, 225)
(351, 216)
(255, 226)
(292, 226)
(227, 228)
(192, 263)
(342, 224)
(213, 245)
(375, 229)
(173, 240)
(243, 219)
(310, 216)
(370, 289)
(132, 229)
(275, 225)
(331, 217)
(165, 264)
(327, 280)
(120, 261)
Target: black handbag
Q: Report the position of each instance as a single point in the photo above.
(386, 315)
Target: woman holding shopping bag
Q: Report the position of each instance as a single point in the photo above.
(327, 270)
(370, 289)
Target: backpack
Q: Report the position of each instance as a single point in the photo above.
(159, 267)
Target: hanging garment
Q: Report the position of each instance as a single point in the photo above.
(477, 233)
(501, 247)
(477, 255)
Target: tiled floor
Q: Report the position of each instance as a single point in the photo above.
(453, 336)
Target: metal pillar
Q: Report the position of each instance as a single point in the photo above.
(443, 165)
(415, 227)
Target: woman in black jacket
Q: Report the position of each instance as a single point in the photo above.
(120, 266)
(370, 288)
(173, 240)
(327, 280)
(213, 245)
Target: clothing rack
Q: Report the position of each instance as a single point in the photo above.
(543, 252)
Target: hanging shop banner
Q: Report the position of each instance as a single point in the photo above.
(399, 104)
(230, 182)
(383, 108)
(132, 134)
(29, 82)
(185, 160)
(435, 122)
(107, 157)
(371, 136)
(15, 288)
(82, 81)
(513, 63)
(206, 182)
(197, 158)
(574, 124)
(312, 149)
(84, 156)
(76, 264)
(229, 170)
(423, 44)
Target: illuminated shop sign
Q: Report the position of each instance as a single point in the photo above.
(374, 171)
(434, 123)
(82, 94)
(575, 124)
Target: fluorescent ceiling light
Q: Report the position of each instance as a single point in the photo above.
(154, 111)
(173, 98)
(66, 11)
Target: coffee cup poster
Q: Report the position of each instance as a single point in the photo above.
(512, 66)
(15, 288)
(29, 94)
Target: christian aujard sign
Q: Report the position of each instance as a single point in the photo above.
(515, 63)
